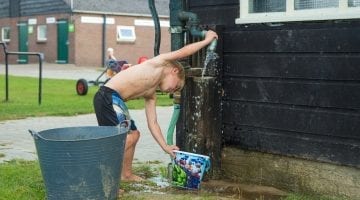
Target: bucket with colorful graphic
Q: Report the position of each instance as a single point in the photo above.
(188, 169)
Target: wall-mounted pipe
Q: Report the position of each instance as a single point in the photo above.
(192, 24)
(176, 25)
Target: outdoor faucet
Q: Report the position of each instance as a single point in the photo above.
(192, 23)
(212, 45)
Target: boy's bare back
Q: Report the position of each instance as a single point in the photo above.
(137, 81)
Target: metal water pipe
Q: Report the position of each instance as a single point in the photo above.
(182, 21)
(176, 25)
(193, 27)
(192, 23)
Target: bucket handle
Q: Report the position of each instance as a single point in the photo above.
(34, 134)
(125, 126)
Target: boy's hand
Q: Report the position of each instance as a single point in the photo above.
(169, 149)
(211, 35)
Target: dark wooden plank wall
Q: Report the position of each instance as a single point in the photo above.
(18, 8)
(4, 8)
(215, 12)
(292, 89)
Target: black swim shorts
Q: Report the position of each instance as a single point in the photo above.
(110, 109)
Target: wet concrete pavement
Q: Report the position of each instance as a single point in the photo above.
(17, 143)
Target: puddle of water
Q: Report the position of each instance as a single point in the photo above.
(160, 181)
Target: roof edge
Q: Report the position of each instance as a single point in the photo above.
(117, 13)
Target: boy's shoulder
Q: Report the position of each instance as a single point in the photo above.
(157, 61)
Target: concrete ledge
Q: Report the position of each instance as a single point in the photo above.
(291, 174)
(193, 72)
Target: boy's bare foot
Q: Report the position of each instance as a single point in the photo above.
(132, 178)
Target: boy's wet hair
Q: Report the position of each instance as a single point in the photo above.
(180, 67)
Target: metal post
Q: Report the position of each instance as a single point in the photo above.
(3, 44)
(40, 57)
(103, 60)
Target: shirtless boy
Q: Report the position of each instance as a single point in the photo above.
(161, 72)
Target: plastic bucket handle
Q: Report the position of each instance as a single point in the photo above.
(125, 126)
(35, 134)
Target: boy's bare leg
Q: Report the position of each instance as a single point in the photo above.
(131, 141)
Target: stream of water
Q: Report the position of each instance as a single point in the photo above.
(209, 59)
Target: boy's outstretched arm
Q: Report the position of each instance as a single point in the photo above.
(190, 48)
(150, 110)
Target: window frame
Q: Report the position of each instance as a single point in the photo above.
(2, 34)
(122, 38)
(38, 33)
(314, 14)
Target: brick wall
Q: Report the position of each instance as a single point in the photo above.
(88, 38)
(48, 47)
(85, 44)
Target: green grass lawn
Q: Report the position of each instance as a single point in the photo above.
(58, 98)
(21, 180)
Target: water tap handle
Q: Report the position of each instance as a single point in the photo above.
(196, 32)
(212, 46)
(203, 34)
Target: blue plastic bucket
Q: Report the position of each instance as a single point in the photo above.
(188, 169)
(81, 162)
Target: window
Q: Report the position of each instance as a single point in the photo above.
(354, 3)
(41, 33)
(265, 11)
(259, 6)
(5, 34)
(311, 4)
(125, 34)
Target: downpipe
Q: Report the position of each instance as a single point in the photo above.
(157, 27)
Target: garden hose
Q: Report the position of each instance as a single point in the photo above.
(174, 118)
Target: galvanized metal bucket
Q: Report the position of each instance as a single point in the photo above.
(81, 162)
